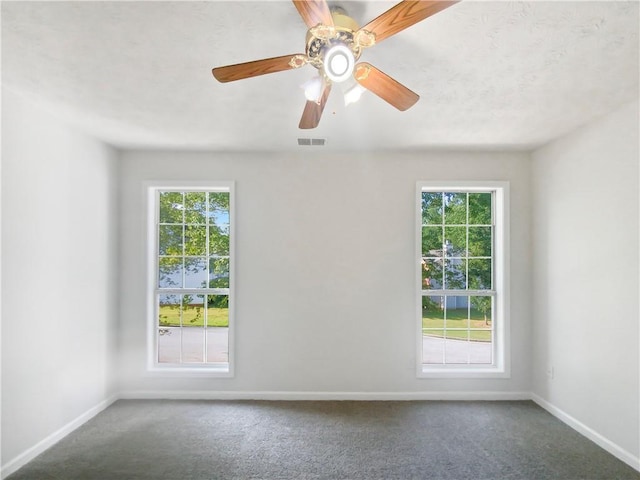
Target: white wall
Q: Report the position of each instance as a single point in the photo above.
(586, 277)
(59, 254)
(325, 273)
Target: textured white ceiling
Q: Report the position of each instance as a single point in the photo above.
(489, 74)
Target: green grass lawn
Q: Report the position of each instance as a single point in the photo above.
(433, 324)
(193, 316)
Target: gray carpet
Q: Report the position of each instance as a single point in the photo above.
(139, 439)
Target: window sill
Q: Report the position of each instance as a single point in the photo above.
(450, 371)
(219, 371)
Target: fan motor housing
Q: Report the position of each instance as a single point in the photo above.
(322, 37)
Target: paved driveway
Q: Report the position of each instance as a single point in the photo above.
(436, 349)
(192, 340)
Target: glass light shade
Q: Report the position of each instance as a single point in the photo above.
(338, 63)
(353, 93)
(313, 89)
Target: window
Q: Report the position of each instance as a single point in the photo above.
(191, 277)
(462, 281)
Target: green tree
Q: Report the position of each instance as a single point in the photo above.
(218, 301)
(455, 208)
(187, 220)
(193, 234)
(431, 208)
(483, 305)
(456, 232)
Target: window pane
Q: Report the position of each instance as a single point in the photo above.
(431, 241)
(457, 315)
(219, 208)
(456, 351)
(217, 310)
(195, 207)
(455, 275)
(195, 240)
(480, 274)
(432, 329)
(193, 310)
(481, 352)
(480, 209)
(170, 272)
(480, 241)
(169, 311)
(193, 345)
(219, 240)
(455, 208)
(171, 207)
(481, 314)
(217, 345)
(431, 208)
(169, 343)
(431, 273)
(433, 312)
(195, 272)
(217, 328)
(432, 348)
(219, 272)
(455, 241)
(170, 239)
(193, 334)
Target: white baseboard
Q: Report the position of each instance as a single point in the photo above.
(595, 437)
(25, 457)
(292, 395)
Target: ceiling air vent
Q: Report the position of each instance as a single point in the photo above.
(316, 142)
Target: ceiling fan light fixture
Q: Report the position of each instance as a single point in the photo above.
(339, 63)
(333, 43)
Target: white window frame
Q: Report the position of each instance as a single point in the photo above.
(187, 369)
(500, 368)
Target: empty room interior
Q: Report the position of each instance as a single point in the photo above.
(355, 239)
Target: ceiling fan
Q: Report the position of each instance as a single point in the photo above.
(334, 43)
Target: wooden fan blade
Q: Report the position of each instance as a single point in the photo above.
(239, 71)
(314, 12)
(313, 110)
(384, 86)
(403, 15)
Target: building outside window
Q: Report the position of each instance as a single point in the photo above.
(462, 263)
(191, 294)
